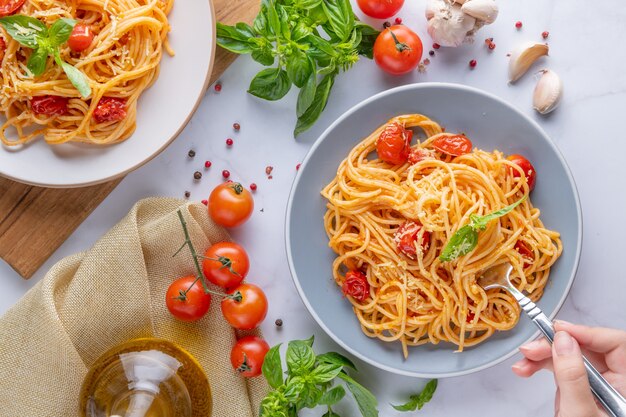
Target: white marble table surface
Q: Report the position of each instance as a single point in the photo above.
(585, 50)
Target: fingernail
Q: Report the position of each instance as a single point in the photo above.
(532, 345)
(562, 322)
(564, 344)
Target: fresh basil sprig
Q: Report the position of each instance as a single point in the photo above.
(44, 42)
(287, 33)
(310, 381)
(464, 240)
(417, 401)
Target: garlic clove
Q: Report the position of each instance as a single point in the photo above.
(447, 24)
(548, 92)
(523, 57)
(482, 10)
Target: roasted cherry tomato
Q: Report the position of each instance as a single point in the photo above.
(49, 105)
(406, 236)
(226, 264)
(230, 204)
(397, 50)
(527, 167)
(526, 252)
(393, 144)
(248, 354)
(380, 9)
(356, 286)
(418, 155)
(110, 109)
(8, 7)
(455, 145)
(245, 307)
(187, 300)
(81, 38)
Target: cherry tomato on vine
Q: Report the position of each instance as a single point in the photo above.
(49, 105)
(455, 145)
(80, 38)
(356, 285)
(245, 307)
(187, 300)
(380, 9)
(398, 50)
(527, 167)
(230, 204)
(8, 7)
(393, 143)
(406, 236)
(248, 354)
(226, 264)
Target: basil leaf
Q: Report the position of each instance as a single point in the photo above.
(462, 242)
(260, 21)
(312, 113)
(24, 29)
(307, 4)
(263, 56)
(293, 388)
(298, 68)
(270, 84)
(37, 61)
(340, 17)
(273, 19)
(331, 413)
(272, 368)
(418, 401)
(321, 47)
(60, 31)
(317, 15)
(365, 400)
(309, 396)
(233, 39)
(325, 372)
(480, 222)
(328, 69)
(336, 358)
(333, 396)
(283, 16)
(245, 30)
(300, 31)
(300, 357)
(306, 95)
(76, 77)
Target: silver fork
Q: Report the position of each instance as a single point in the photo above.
(498, 277)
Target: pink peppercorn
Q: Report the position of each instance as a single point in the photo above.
(253, 187)
(436, 46)
(207, 164)
(472, 63)
(218, 87)
(298, 167)
(236, 126)
(518, 24)
(205, 202)
(225, 173)
(398, 21)
(545, 34)
(229, 142)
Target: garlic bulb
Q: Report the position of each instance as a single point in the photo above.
(452, 22)
(548, 92)
(523, 57)
(483, 10)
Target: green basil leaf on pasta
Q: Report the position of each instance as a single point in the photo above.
(37, 61)
(462, 242)
(333, 395)
(340, 17)
(270, 84)
(272, 368)
(60, 31)
(24, 29)
(364, 398)
(77, 78)
(416, 402)
(320, 99)
(480, 222)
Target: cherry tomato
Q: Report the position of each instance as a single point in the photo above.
(406, 236)
(191, 305)
(226, 264)
(49, 105)
(248, 354)
(470, 317)
(380, 9)
(8, 7)
(246, 307)
(110, 109)
(81, 37)
(392, 145)
(527, 167)
(230, 204)
(455, 145)
(526, 252)
(397, 50)
(3, 47)
(356, 286)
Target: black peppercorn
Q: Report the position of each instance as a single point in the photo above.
(279, 322)
(187, 194)
(191, 153)
(197, 175)
(431, 53)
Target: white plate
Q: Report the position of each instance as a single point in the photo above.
(162, 113)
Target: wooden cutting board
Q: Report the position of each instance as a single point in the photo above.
(35, 221)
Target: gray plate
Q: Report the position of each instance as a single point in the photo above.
(491, 124)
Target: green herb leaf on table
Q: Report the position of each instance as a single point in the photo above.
(300, 357)
(298, 68)
(333, 395)
(307, 93)
(365, 400)
(337, 359)
(331, 413)
(230, 38)
(340, 17)
(325, 372)
(417, 401)
(272, 368)
(270, 84)
(313, 112)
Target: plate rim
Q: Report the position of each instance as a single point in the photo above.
(326, 133)
(165, 144)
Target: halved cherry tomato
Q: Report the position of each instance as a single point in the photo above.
(81, 37)
(398, 50)
(230, 204)
(418, 155)
(49, 105)
(356, 286)
(406, 236)
(110, 109)
(527, 167)
(248, 354)
(392, 145)
(455, 145)
(8, 7)
(226, 264)
(526, 252)
(245, 307)
(380, 9)
(187, 300)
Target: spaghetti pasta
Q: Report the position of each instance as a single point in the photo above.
(121, 62)
(420, 299)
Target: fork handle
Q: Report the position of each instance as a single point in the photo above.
(612, 401)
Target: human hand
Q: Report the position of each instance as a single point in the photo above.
(604, 348)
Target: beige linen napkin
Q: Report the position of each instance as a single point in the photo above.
(92, 301)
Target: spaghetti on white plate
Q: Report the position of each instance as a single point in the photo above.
(116, 44)
(389, 220)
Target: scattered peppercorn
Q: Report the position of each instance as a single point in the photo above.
(207, 164)
(279, 322)
(197, 175)
(545, 34)
(236, 126)
(268, 170)
(488, 41)
(225, 173)
(229, 142)
(218, 87)
(298, 167)
(253, 187)
(436, 46)
(398, 21)
(518, 24)
(427, 61)
(191, 153)
(472, 63)
(386, 25)
(205, 202)
(431, 53)
(187, 194)
(492, 46)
